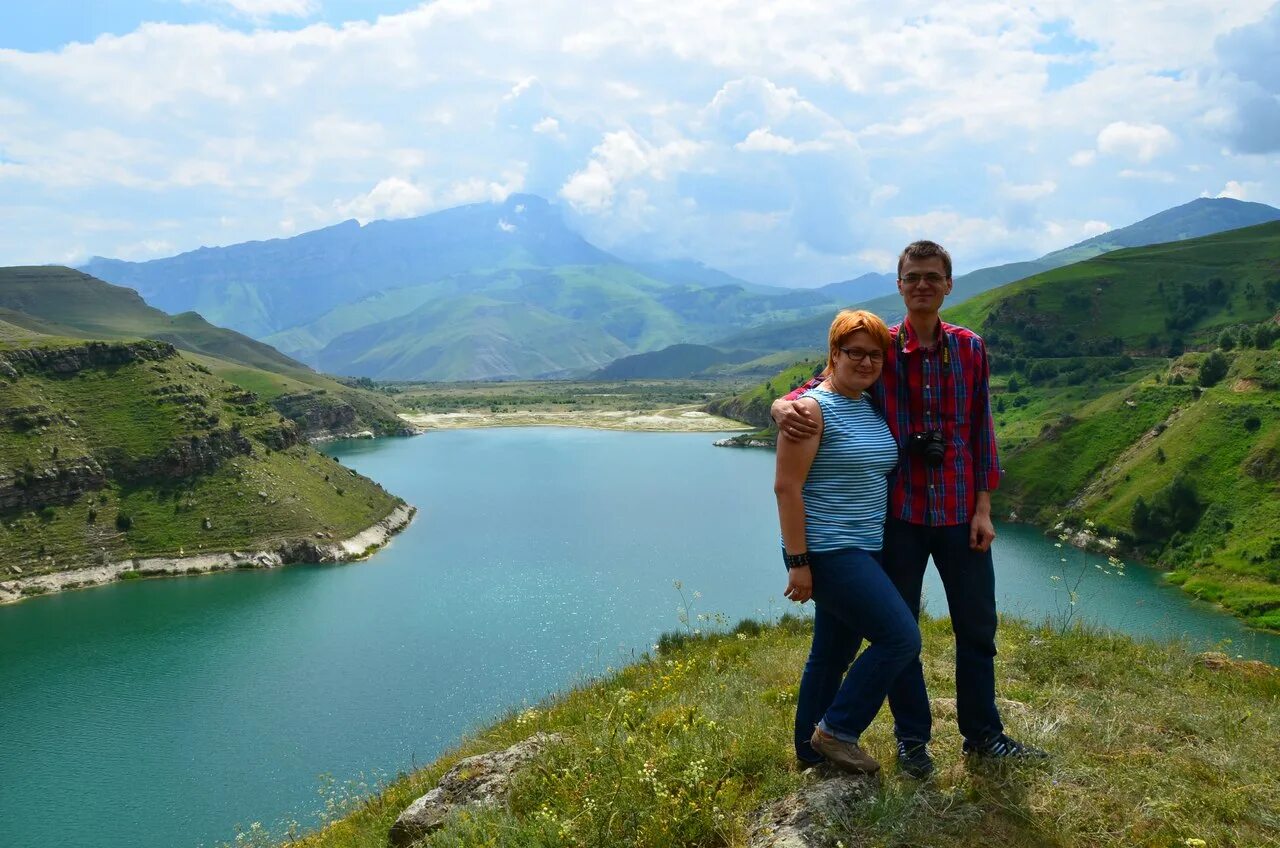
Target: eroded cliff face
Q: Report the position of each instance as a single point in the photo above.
(59, 475)
(65, 360)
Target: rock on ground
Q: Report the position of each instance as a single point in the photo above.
(480, 781)
(801, 819)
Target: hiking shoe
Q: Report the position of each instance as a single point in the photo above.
(914, 760)
(848, 756)
(1003, 748)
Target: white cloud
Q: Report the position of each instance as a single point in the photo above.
(1139, 142)
(1238, 190)
(622, 156)
(393, 197)
(264, 9)
(548, 126)
(884, 192)
(741, 132)
(1089, 229)
(506, 226)
(1033, 191)
(1148, 176)
(881, 260)
(148, 249)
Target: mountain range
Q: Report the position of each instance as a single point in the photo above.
(508, 291)
(483, 291)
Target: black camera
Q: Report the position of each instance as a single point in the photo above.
(928, 444)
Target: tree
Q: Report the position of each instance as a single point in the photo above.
(1013, 385)
(1226, 339)
(1213, 369)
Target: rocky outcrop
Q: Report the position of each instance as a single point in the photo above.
(71, 359)
(803, 818)
(189, 457)
(318, 413)
(480, 781)
(62, 482)
(747, 440)
(358, 546)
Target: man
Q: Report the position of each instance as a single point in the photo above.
(934, 396)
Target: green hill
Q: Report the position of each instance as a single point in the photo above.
(1201, 217)
(116, 450)
(673, 362)
(1111, 434)
(57, 301)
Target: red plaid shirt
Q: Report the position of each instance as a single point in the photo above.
(943, 388)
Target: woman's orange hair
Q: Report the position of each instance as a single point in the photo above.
(849, 321)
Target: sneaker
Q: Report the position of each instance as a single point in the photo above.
(914, 760)
(1003, 748)
(845, 755)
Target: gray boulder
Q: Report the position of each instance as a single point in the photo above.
(803, 818)
(480, 781)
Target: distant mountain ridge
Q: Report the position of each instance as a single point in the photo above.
(508, 291)
(486, 291)
(1201, 217)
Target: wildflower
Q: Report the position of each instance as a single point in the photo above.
(1193, 842)
(697, 595)
(742, 637)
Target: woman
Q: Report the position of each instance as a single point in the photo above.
(832, 496)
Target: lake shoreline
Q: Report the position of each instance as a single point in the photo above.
(673, 420)
(357, 547)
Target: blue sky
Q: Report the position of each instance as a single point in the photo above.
(793, 142)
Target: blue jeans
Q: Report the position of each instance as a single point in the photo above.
(853, 599)
(968, 577)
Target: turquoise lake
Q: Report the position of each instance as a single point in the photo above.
(162, 713)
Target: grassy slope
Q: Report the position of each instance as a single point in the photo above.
(67, 303)
(1150, 749)
(89, 308)
(1129, 294)
(1093, 460)
(118, 417)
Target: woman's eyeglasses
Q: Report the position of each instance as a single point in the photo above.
(859, 356)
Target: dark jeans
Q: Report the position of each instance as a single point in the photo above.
(968, 578)
(853, 599)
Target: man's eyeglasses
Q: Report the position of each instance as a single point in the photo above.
(860, 356)
(931, 279)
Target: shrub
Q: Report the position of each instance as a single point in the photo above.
(1174, 509)
(124, 522)
(1213, 369)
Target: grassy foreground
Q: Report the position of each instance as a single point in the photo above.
(1151, 748)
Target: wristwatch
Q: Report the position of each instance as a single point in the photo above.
(796, 560)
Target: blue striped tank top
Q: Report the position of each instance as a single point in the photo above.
(846, 492)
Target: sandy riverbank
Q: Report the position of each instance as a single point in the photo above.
(682, 419)
(299, 550)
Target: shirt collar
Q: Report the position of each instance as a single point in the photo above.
(911, 342)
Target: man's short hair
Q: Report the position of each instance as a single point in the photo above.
(925, 250)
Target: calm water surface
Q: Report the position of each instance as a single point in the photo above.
(162, 713)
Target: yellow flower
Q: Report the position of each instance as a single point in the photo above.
(1193, 842)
